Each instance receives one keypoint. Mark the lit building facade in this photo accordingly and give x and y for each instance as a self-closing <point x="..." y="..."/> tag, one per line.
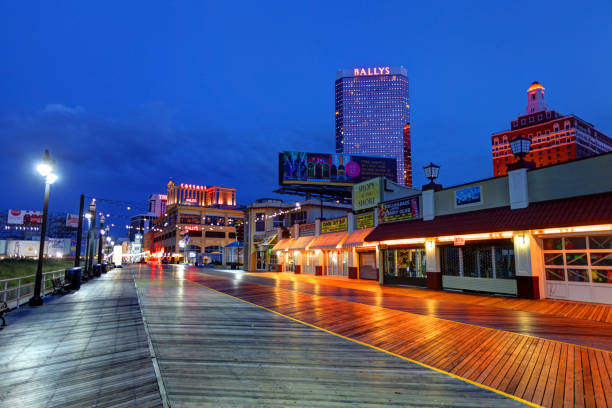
<point x="555" y="138"/>
<point x="157" y="204"/>
<point x="203" y="218"/>
<point x="373" y="115"/>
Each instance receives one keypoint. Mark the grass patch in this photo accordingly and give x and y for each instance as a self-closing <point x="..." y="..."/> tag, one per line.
<point x="15" y="268"/>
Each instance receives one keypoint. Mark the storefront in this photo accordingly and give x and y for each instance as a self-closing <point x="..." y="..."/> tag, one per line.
<point x="326" y="255"/>
<point x="404" y="265"/>
<point x="291" y="254"/>
<point x="578" y="266"/>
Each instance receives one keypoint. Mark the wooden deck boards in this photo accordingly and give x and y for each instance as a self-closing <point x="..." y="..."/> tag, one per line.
<point x="576" y="310"/>
<point x="535" y="369"/>
<point x="585" y="332"/>
<point x="214" y="350"/>
<point x="84" y="349"/>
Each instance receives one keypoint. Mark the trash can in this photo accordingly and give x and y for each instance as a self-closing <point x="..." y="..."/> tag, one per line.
<point x="97" y="270"/>
<point x="104" y="267"/>
<point x="73" y="275"/>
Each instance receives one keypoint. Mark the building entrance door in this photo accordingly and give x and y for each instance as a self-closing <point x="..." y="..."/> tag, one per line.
<point x="367" y="265"/>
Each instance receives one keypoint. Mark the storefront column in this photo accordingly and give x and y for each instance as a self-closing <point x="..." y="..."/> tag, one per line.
<point x="379" y="263"/>
<point x="432" y="265"/>
<point x="527" y="279"/>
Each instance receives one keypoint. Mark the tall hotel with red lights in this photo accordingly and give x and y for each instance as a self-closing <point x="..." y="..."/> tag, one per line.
<point x="555" y="138"/>
<point x="373" y="115"/>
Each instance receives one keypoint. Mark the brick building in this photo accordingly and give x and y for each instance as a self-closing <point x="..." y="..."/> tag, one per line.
<point x="555" y="138"/>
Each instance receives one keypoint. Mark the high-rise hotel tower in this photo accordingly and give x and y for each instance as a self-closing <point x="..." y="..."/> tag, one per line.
<point x="373" y="115"/>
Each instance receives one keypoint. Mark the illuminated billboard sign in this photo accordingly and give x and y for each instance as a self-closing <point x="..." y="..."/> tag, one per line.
<point x="334" y="169"/>
<point x="24" y="217"/>
<point x="372" y="71"/>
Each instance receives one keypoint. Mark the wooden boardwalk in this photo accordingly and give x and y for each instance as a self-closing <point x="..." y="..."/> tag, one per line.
<point x="543" y="371"/>
<point x="575" y="310"/>
<point x="216" y="351"/>
<point x="553" y="327"/>
<point x="87" y="349"/>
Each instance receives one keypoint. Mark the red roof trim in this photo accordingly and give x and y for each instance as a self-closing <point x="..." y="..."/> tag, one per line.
<point x="575" y="211"/>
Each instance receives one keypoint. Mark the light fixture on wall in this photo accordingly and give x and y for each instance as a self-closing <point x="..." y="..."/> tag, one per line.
<point x="520" y="146"/>
<point x="429" y="244"/>
<point x="520" y="239"/>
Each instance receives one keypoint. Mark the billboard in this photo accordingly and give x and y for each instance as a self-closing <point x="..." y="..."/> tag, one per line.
<point x="24" y="217"/>
<point x="468" y="196"/>
<point x="72" y="220"/>
<point x="367" y="194"/>
<point x="399" y="210"/>
<point x="335" y="169"/>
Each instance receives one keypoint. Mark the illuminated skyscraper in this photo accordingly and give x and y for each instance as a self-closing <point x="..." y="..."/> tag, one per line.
<point x="373" y="115"/>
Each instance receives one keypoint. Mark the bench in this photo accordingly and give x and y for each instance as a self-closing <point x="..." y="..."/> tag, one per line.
<point x="60" y="288"/>
<point x="3" y="309"/>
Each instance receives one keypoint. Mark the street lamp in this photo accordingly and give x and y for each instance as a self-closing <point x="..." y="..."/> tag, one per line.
<point x="45" y="168"/>
<point x="520" y="146"/>
<point x="431" y="173"/>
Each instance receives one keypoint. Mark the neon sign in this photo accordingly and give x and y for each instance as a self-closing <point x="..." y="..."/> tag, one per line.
<point x="191" y="228"/>
<point x="372" y="71"/>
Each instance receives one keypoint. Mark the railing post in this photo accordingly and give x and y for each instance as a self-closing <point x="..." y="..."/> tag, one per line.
<point x="5" y="291"/>
<point x="18" y="291"/>
<point x="43" y="286"/>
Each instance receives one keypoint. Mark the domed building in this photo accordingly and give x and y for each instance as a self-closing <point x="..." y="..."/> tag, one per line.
<point x="555" y="138"/>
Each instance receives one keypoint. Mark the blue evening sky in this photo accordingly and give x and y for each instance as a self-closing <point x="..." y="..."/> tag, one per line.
<point x="126" y="94"/>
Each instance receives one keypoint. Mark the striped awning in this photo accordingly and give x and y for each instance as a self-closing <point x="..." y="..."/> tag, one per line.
<point x="300" y="243"/>
<point x="356" y="238"/>
<point x="328" y="241"/>
<point x="283" y="244"/>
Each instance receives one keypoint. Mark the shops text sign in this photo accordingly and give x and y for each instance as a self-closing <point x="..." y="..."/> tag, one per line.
<point x="335" y="225"/>
<point x="367" y="194"/>
<point x="468" y="196"/>
<point x="399" y="210"/>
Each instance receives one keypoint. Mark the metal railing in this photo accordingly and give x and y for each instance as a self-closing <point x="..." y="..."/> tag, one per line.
<point x="17" y="291"/>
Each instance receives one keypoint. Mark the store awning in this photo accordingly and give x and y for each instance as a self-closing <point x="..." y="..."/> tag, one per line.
<point x="266" y="242"/>
<point x="575" y="211"/>
<point x="356" y="238"/>
<point x="283" y="244"/>
<point x="328" y="241"/>
<point x="235" y="244"/>
<point x="299" y="243"/>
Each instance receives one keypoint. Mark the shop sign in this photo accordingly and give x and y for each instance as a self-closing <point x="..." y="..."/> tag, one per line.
<point x="307" y="229"/>
<point x="459" y="241"/>
<point x="191" y="228"/>
<point x="468" y="196"/>
<point x="365" y="220"/>
<point x="399" y="210"/>
<point x="367" y="194"/>
<point x="258" y="237"/>
<point x="335" y="225"/>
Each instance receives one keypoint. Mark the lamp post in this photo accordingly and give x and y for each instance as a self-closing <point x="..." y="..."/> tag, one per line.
<point x="91" y="218"/>
<point x="431" y="173"/>
<point x="520" y="146"/>
<point x="100" y="239"/>
<point x="45" y="169"/>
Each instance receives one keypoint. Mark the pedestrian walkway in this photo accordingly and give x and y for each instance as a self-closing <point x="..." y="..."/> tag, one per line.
<point x="543" y="371"/>
<point x="550" y="326"/>
<point x="577" y="310"/>
<point x="84" y="349"/>
<point x="217" y="351"/>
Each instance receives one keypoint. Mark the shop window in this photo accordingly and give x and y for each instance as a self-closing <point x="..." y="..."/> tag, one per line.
<point x="189" y="219"/>
<point x="504" y="263"/>
<point x="579" y="259"/>
<point x="601" y="259"/>
<point x="572" y="243"/>
<point x="577" y="275"/>
<point x="450" y="263"/>
<point x="600" y="242"/>
<point x="552" y="244"/>
<point x="214" y="220"/>
<point x="573" y="259"/>
<point x="555" y="274"/>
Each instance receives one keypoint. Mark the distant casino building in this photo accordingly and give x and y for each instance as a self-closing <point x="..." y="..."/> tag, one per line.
<point x="198" y="222"/>
<point x="555" y="138"/>
<point x="157" y="204"/>
<point x="373" y="115"/>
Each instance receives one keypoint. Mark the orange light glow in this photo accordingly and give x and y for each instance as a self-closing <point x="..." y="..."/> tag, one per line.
<point x="586" y="228"/>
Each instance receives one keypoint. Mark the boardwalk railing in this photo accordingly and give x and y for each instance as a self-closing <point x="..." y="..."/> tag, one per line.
<point x="17" y="291"/>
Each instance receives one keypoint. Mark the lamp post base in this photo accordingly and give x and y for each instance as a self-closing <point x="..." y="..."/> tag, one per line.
<point x="35" y="301"/>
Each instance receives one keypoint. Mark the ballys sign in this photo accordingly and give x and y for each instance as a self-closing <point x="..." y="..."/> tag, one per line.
<point x="372" y="71"/>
